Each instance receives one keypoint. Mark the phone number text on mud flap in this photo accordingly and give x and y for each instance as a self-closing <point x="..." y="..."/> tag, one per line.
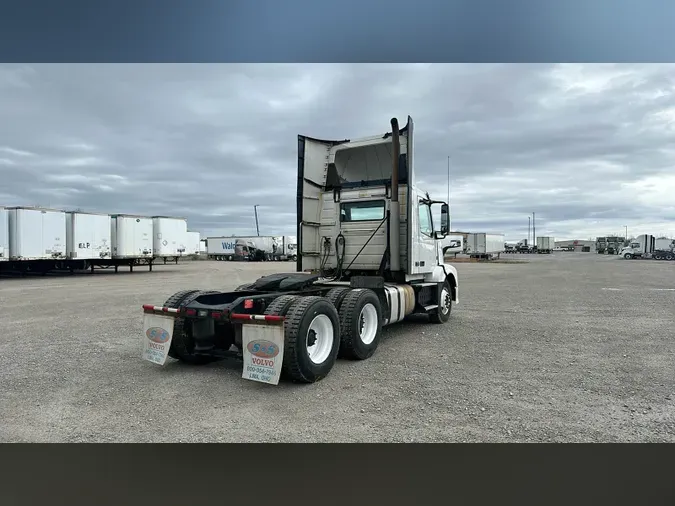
<point x="261" y="370"/>
<point x="154" y="355"/>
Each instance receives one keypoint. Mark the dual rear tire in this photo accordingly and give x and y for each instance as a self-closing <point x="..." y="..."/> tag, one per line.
<point x="345" y="323"/>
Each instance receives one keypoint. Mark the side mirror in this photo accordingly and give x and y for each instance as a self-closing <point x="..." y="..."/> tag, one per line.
<point x="445" y="219"/>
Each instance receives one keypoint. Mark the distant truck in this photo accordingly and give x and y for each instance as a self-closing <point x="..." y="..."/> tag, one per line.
<point x="252" y="248"/>
<point x="647" y="247"/>
<point x="610" y="245"/>
<point x="545" y="245"/>
<point x="484" y="245"/>
<point x="286" y="248"/>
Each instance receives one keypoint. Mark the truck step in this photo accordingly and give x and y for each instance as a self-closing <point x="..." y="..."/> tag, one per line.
<point x="431" y="308"/>
<point x="424" y="284"/>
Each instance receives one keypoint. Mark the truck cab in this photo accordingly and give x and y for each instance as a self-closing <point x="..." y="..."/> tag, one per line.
<point x="360" y="212"/>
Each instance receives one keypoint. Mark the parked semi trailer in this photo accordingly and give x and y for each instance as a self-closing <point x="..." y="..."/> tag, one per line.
<point x="169" y="237"/>
<point x="4" y="235"/>
<point x="647" y="247"/>
<point x="193" y="243"/>
<point x="88" y="236"/>
<point x="484" y="245"/>
<point x="368" y="255"/>
<point x="132" y="240"/>
<point x="545" y="245"/>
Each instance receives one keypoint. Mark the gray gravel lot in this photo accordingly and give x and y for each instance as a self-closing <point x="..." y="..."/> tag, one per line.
<point x="567" y="347"/>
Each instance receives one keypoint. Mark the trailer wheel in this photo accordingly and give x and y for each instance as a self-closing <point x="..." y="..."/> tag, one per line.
<point x="669" y="256"/>
<point x="627" y="256"/>
<point x="312" y="342"/>
<point x="182" y="344"/>
<point x="442" y="313"/>
<point x="337" y="295"/>
<point x="360" y="323"/>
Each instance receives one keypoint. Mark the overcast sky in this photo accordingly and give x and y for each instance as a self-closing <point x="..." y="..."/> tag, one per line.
<point x="589" y="148"/>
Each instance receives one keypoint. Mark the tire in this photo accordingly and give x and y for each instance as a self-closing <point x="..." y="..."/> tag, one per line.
<point x="669" y="256"/>
<point x="182" y="344"/>
<point x="658" y="257"/>
<point x="281" y="305"/>
<point x="305" y="314"/>
<point x="337" y="295"/>
<point x="360" y="324"/>
<point x="627" y="256"/>
<point x="294" y="258"/>
<point x="442" y="313"/>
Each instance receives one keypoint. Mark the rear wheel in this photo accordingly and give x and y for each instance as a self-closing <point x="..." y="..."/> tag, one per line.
<point x="442" y="313"/>
<point x="360" y="324"/>
<point x="670" y="256"/>
<point x="281" y="305"/>
<point x="182" y="343"/>
<point x="337" y="295"/>
<point x="312" y="330"/>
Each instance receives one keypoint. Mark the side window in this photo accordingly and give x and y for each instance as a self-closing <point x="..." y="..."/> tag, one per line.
<point x="426" y="226"/>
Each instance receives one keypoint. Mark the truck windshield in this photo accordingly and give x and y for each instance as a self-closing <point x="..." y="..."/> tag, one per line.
<point x="371" y="210"/>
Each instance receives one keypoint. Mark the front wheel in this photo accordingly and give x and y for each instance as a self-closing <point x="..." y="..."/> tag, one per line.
<point x="627" y="256"/>
<point x="442" y="313"/>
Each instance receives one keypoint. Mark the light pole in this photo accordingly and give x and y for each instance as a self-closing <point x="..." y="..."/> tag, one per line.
<point x="529" y="224"/>
<point x="534" y="233"/>
<point x="626" y="235"/>
<point x="257" y="228"/>
<point x="449" y="214"/>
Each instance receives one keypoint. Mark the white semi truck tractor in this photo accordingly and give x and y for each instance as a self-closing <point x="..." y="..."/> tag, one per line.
<point x="369" y="255"/>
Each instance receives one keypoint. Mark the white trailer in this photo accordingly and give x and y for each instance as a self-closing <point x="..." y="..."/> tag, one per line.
<point x="170" y="237"/>
<point x="36" y="233"/>
<point x="484" y="245"/>
<point x="192" y="243"/>
<point x="545" y="245"/>
<point x="221" y="248"/>
<point x="131" y="236"/>
<point x="4" y="235"/>
<point x="88" y="236"/>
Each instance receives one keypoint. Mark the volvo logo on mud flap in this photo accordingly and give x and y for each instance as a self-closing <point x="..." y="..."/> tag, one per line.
<point x="263" y="349"/>
<point x="157" y="335"/>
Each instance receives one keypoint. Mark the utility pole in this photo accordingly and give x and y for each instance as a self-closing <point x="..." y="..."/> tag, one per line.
<point x="529" y="222"/>
<point x="257" y="228"/>
<point x="450" y="214"/>
<point x="534" y="233"/>
<point x="626" y="235"/>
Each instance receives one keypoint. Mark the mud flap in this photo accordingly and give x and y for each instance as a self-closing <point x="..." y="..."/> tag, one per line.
<point x="157" y="335"/>
<point x="263" y="351"/>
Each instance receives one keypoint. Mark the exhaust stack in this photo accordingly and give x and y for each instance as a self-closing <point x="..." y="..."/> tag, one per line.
<point x="394" y="209"/>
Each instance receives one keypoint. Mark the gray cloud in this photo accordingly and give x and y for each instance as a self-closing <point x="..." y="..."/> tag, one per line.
<point x="589" y="148"/>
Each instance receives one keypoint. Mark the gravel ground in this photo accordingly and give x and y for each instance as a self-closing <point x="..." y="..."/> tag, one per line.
<point x="567" y="347"/>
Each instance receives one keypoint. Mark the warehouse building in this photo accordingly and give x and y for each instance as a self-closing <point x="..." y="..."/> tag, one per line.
<point x="578" y="245"/>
